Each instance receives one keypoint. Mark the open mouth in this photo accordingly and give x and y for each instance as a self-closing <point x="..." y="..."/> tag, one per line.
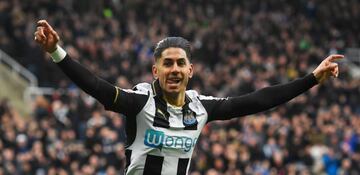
<point x="173" y="81"/>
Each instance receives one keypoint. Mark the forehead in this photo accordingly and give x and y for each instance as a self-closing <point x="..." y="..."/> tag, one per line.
<point x="173" y="53"/>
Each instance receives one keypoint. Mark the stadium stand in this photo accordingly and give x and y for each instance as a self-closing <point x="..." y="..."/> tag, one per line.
<point x="249" y="44"/>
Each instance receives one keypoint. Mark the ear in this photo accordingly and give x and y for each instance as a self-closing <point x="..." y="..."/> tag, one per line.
<point x="191" y="69"/>
<point x="155" y="71"/>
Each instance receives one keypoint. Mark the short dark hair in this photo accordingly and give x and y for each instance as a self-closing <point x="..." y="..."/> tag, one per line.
<point x="178" y="42"/>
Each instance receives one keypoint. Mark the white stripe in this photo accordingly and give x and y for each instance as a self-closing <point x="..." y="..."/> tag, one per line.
<point x="203" y="97"/>
<point x="137" y="164"/>
<point x="170" y="165"/>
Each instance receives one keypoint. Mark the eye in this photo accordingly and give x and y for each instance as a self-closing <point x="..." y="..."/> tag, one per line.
<point x="167" y="63"/>
<point x="181" y="63"/>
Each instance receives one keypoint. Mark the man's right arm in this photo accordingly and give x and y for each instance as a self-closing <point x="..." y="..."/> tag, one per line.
<point x="112" y="97"/>
<point x="84" y="79"/>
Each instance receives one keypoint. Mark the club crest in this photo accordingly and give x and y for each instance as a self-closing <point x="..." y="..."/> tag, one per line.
<point x="189" y="118"/>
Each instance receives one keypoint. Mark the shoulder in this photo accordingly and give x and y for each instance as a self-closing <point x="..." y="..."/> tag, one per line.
<point x="195" y="104"/>
<point x="211" y="98"/>
<point x="195" y="95"/>
<point x="141" y="89"/>
<point x="192" y="94"/>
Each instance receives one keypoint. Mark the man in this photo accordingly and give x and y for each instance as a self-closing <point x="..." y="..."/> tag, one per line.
<point x="164" y="119"/>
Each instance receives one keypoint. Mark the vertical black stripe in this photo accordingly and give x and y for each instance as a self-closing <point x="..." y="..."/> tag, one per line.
<point x="128" y="159"/>
<point x="182" y="166"/>
<point x="191" y="127"/>
<point x="161" y="122"/>
<point x="153" y="165"/>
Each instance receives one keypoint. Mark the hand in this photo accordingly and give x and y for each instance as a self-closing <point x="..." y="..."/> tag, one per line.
<point x="327" y="68"/>
<point x="46" y="36"/>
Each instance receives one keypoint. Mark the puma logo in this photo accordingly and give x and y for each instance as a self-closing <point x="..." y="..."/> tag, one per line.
<point x="161" y="113"/>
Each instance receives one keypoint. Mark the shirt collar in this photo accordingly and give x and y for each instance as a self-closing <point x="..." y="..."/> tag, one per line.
<point x="157" y="91"/>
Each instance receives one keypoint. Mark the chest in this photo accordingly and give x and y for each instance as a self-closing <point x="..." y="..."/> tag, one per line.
<point x="170" y="131"/>
<point x="175" y="118"/>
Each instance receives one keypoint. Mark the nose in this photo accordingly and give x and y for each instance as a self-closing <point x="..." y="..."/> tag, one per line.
<point x="175" y="68"/>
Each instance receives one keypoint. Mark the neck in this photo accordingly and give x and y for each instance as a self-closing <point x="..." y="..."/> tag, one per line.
<point x="175" y="99"/>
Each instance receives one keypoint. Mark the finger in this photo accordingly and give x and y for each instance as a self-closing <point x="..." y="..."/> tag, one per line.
<point x="334" y="69"/>
<point x="332" y="66"/>
<point x="337" y="71"/>
<point x="333" y="73"/>
<point x="40" y="30"/>
<point x="55" y="35"/>
<point x="49" y="29"/>
<point x="334" y="57"/>
<point x="36" y="37"/>
<point x="45" y="24"/>
<point x="39" y="39"/>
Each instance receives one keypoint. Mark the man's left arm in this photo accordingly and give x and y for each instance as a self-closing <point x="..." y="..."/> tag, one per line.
<point x="267" y="98"/>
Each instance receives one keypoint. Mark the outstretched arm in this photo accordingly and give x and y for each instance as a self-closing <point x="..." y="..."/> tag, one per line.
<point x="264" y="99"/>
<point x="113" y="98"/>
<point x="47" y="38"/>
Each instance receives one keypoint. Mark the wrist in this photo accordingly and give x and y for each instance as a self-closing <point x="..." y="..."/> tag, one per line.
<point x="52" y="49"/>
<point x="316" y="78"/>
<point x="58" y="55"/>
<point x="317" y="75"/>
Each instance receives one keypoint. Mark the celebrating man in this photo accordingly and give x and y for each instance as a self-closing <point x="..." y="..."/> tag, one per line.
<point x="163" y="119"/>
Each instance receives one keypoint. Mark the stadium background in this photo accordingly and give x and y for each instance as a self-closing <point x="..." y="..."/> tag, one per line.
<point x="238" y="47"/>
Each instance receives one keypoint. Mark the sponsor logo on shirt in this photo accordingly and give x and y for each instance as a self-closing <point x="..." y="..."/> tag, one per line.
<point x="158" y="139"/>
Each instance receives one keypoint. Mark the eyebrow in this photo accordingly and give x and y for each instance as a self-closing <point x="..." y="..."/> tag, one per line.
<point x="170" y="59"/>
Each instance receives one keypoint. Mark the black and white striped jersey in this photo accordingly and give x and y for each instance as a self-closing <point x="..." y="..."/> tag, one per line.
<point x="164" y="136"/>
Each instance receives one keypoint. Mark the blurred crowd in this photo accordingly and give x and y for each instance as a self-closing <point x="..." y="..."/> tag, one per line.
<point x="238" y="47"/>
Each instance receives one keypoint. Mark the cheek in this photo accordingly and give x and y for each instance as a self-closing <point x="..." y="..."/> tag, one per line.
<point x="161" y="72"/>
<point x="188" y="73"/>
<point x="162" y="76"/>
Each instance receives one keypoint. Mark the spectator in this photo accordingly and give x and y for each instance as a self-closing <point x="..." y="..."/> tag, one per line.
<point x="258" y="46"/>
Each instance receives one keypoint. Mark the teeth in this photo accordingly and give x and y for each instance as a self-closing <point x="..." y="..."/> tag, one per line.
<point x="174" y="81"/>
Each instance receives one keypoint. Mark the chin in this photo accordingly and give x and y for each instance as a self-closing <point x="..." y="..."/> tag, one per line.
<point x="172" y="91"/>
